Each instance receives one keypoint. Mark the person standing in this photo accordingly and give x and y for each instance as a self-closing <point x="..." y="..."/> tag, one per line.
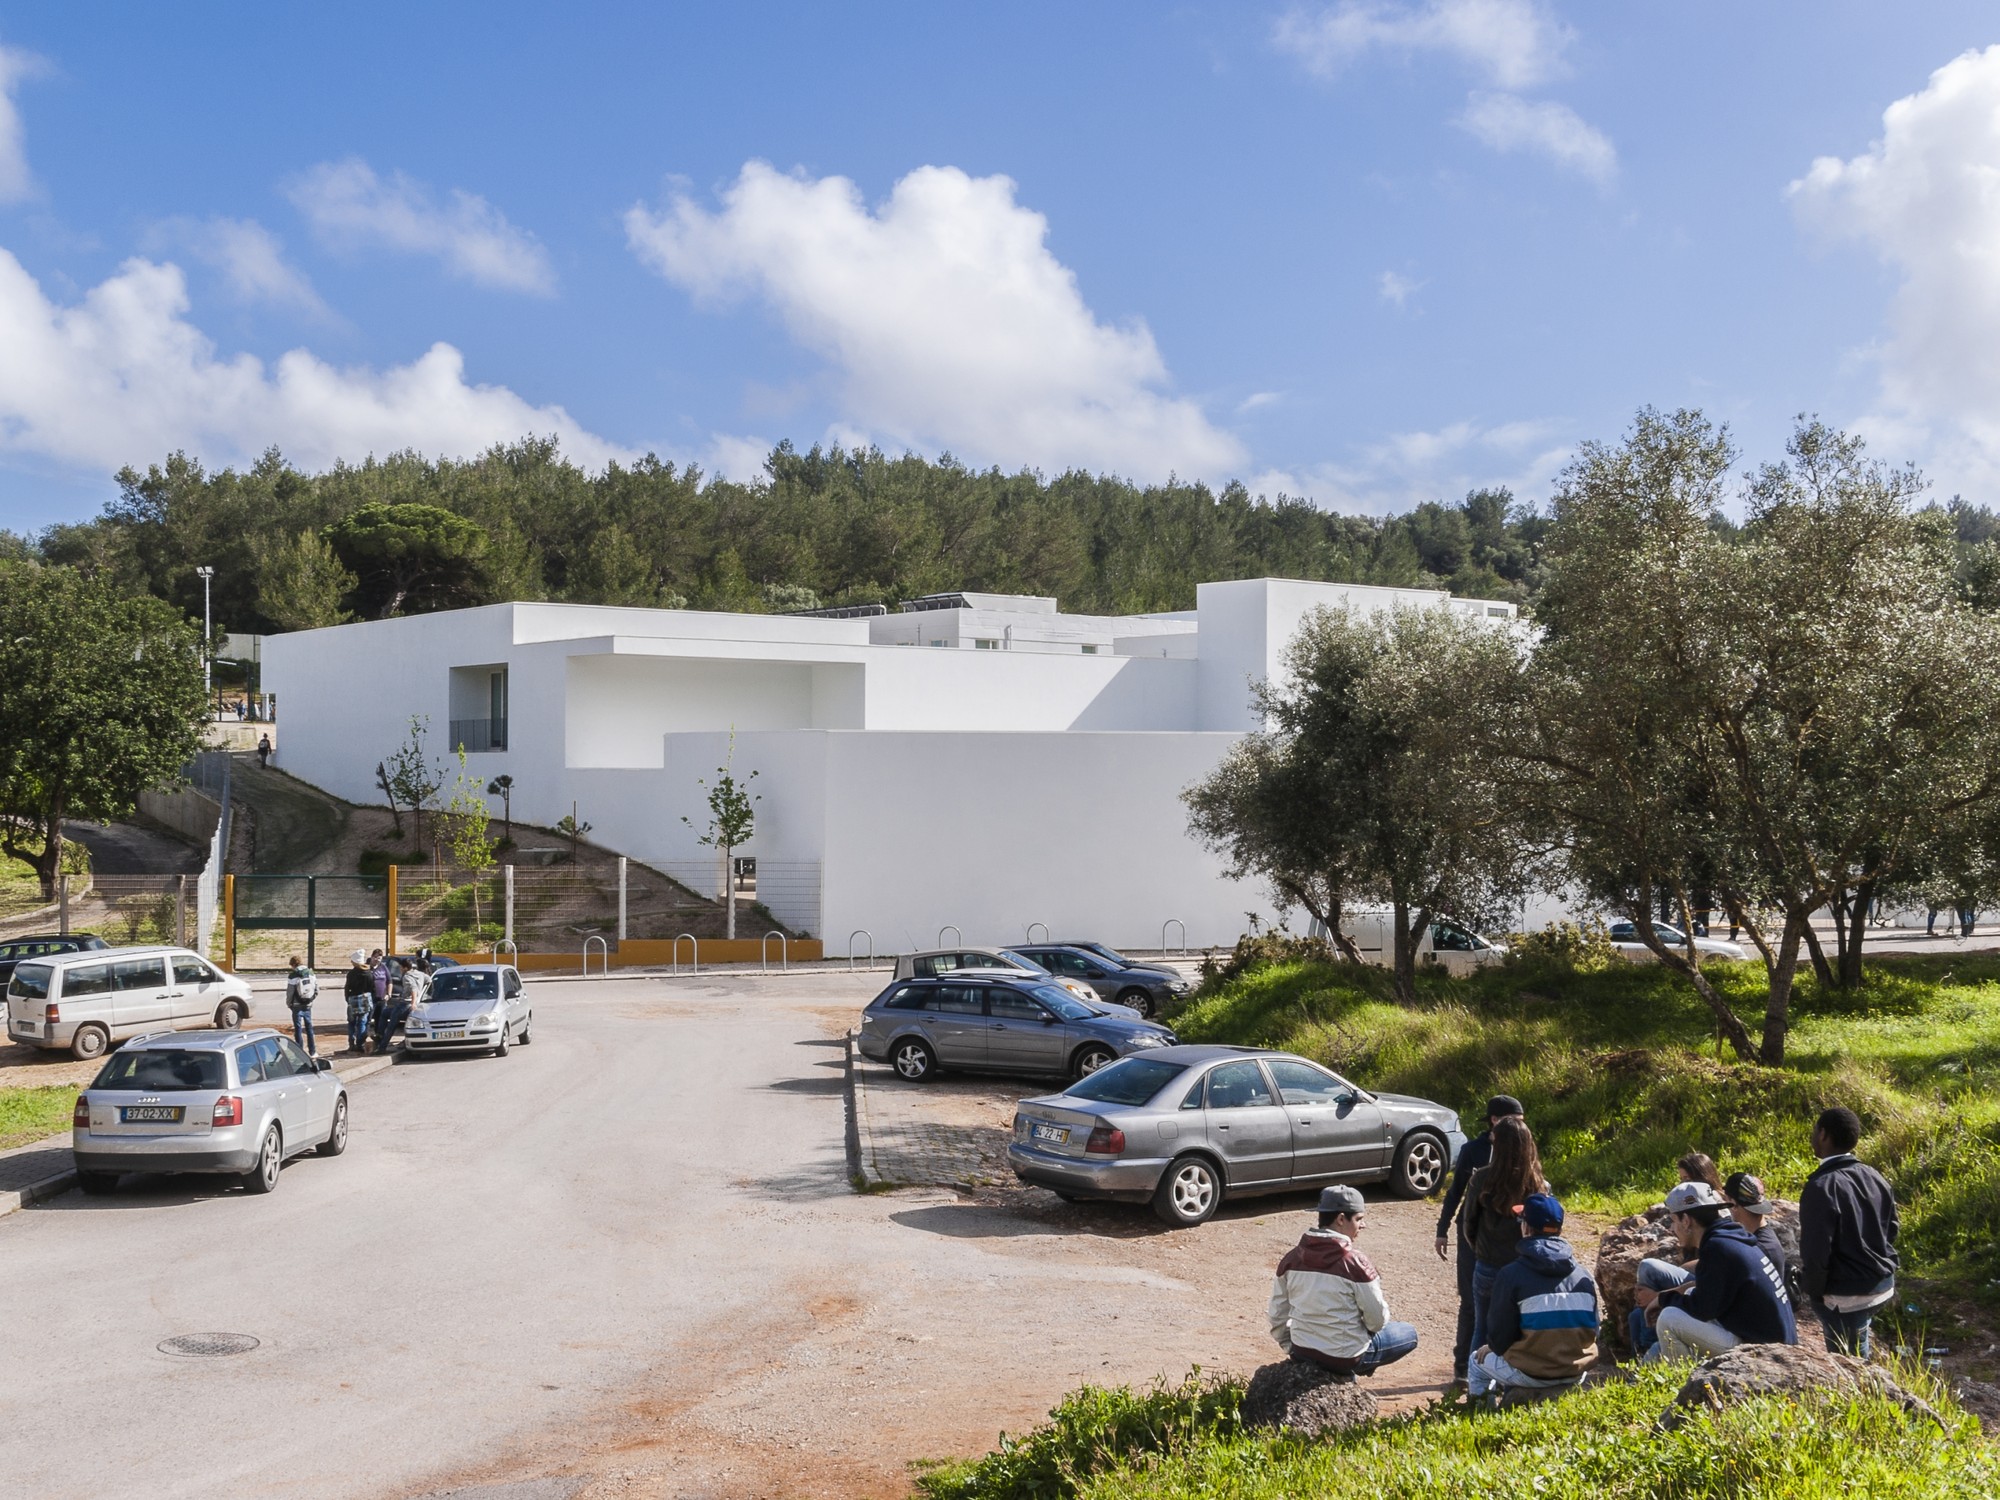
<point x="1541" y="1323"/>
<point x="360" y="991"/>
<point x="1486" y="1219"/>
<point x="1847" y="1236"/>
<point x="1736" y="1295"/>
<point x="1327" y="1306"/>
<point x="264" y="751"/>
<point x="1473" y="1155"/>
<point x="301" y="989"/>
<point x="381" y="978"/>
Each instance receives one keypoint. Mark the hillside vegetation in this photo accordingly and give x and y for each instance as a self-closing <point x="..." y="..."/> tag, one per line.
<point x="1620" y="1074"/>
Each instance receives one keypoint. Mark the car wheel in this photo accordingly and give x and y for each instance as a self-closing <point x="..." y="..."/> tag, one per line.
<point x="1189" y="1193"/>
<point x="1091" y="1058"/>
<point x="506" y="1037"/>
<point x="89" y="1042"/>
<point x="270" y="1161"/>
<point x="527" y="1030"/>
<point x="97" y="1182"/>
<point x="913" y="1060"/>
<point x="1420" y="1166"/>
<point x="336" y="1138"/>
<point x="229" y="1015"/>
<point x="1140" y="1000"/>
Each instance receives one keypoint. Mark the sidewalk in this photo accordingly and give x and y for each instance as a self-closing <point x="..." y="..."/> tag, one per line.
<point x="31" y="1173"/>
<point x="951" y="1132"/>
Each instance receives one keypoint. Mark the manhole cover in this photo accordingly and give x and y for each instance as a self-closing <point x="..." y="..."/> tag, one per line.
<point x="208" y="1345"/>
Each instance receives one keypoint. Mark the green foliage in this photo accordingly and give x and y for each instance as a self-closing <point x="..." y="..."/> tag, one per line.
<point x="1621" y="1074"/>
<point x="1599" y="1443"/>
<point x="478" y="937"/>
<point x="1579" y="947"/>
<point x="1092" y="1432"/>
<point x="410" y="558"/>
<point x="29" y="1114"/>
<point x="301" y="583"/>
<point x="105" y="701"/>
<point x="409" y="778"/>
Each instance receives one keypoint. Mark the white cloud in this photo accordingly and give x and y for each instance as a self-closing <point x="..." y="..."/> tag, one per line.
<point x="1926" y="199"/>
<point x="738" y="458"/>
<point x="1507" y="122"/>
<point x="1515" y="44"/>
<point x="947" y="322"/>
<point x="1408" y="468"/>
<point x="123" y="377"/>
<point x="1395" y="287"/>
<point x="250" y="259"/>
<point x="1256" y="399"/>
<point x="16" y="181"/>
<point x="350" y="207"/>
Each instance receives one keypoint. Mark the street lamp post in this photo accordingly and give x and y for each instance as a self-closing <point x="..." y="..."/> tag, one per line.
<point x="207" y="640"/>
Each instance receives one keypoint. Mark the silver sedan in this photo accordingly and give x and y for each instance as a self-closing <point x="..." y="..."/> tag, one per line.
<point x="1185" y="1127"/>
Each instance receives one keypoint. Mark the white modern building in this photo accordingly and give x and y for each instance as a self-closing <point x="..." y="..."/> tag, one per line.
<point x="976" y="761"/>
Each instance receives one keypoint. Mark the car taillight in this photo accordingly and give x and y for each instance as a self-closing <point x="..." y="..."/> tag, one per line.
<point x="52" y="1014"/>
<point x="228" y="1111"/>
<point x="80" y="1116"/>
<point x="1106" y="1140"/>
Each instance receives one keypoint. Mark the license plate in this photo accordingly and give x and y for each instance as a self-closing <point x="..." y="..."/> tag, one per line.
<point x="1056" y="1133"/>
<point x="150" y="1114"/>
<point x="449" y="1036"/>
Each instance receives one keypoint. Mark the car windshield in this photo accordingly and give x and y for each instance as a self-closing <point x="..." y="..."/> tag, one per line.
<point x="464" y="984"/>
<point x="1628" y="932"/>
<point x="161" y="1070"/>
<point x="1066" y="1006"/>
<point x="1130" y="1080"/>
<point x="30" y="981"/>
<point x="1110" y="955"/>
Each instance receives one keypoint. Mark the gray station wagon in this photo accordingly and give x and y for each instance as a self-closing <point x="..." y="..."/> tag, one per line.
<point x="985" y="1022"/>
<point x="1185" y="1127"/>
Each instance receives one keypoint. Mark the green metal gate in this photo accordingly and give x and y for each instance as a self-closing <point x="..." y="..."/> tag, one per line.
<point x="309" y="903"/>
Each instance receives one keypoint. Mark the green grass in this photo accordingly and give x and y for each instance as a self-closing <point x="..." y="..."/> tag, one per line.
<point x="1621" y="1074"/>
<point x="1177" y="1443"/>
<point x="26" y="1115"/>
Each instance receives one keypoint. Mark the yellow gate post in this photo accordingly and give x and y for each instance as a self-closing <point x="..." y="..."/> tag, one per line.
<point x="229" y="923"/>
<point x="392" y="908"/>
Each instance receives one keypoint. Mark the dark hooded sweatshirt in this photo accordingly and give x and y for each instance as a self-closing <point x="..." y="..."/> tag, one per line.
<point x="1736" y="1287"/>
<point x="1542" y="1318"/>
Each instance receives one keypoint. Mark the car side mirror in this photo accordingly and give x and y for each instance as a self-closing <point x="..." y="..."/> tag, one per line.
<point x="322" y="1065"/>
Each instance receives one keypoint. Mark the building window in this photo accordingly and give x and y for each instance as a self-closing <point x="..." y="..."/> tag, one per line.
<point x="940" y="643"/>
<point x="1090" y="650"/>
<point x="478" y="720"/>
<point x="986" y="645"/>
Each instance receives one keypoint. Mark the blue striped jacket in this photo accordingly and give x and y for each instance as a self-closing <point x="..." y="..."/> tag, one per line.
<point x="1542" y="1315"/>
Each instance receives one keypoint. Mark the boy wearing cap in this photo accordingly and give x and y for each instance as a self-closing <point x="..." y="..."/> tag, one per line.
<point x="1736" y="1297"/>
<point x="1750" y="1207"/>
<point x="1473" y="1155"/>
<point x="1327" y="1306"/>
<point x="1541" y="1317"/>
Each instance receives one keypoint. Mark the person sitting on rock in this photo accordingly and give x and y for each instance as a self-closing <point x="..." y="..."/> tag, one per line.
<point x="1657" y="1273"/>
<point x="1541" y="1317"/>
<point x="1751" y="1207"/>
<point x="1327" y="1306"/>
<point x="1736" y="1295"/>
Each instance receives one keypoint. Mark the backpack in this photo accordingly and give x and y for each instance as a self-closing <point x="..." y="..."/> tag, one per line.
<point x="304" y="990"/>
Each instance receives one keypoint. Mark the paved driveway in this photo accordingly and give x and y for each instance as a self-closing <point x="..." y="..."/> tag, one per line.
<point x="623" y="1260"/>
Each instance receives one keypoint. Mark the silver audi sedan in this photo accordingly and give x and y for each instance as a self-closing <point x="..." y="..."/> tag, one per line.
<point x="1185" y="1127"/>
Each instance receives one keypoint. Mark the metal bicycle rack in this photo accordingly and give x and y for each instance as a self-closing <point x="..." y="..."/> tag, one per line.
<point x="513" y="951"/>
<point x="764" y="951"/>
<point x="604" y="973"/>
<point x="1031" y="931"/>
<point x="952" y="928"/>
<point x="1173" y="922"/>
<point x="860" y="932"/>
<point x="694" y="957"/>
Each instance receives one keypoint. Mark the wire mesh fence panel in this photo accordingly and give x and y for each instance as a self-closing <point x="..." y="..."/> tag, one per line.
<point x="127" y="910"/>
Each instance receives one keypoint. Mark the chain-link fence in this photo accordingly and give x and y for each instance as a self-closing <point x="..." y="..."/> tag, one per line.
<point x="121" y="909"/>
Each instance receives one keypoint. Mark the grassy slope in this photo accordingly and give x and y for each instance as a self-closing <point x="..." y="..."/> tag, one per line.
<point x="1620" y="1074"/>
<point x="1597" y="1444"/>
<point x="29" y="1114"/>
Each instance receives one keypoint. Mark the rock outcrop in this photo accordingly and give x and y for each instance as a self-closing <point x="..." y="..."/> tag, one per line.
<point x="1782" y="1369"/>
<point x="1304" y="1399"/>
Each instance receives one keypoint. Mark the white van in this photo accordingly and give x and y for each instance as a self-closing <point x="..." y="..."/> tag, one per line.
<point x="87" y="1001"/>
<point x="1451" y="947"/>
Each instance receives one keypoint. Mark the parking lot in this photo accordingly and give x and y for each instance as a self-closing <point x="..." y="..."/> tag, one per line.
<point x="625" y="1261"/>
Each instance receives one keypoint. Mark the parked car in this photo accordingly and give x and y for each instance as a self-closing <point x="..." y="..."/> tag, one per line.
<point x="1186" y="1127"/>
<point x="87" y="1001"/>
<point x="1625" y="938"/>
<point x="1143" y="987"/>
<point x="1452" y="947"/>
<point x="233" y="1102"/>
<point x="472" y="1008"/>
<point x="986" y="1022"/>
<point x="15" y="949"/>
<point x="952" y="960"/>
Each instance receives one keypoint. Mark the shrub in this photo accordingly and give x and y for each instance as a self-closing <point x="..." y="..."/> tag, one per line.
<point x="468" y="939"/>
<point x="1578" y="948"/>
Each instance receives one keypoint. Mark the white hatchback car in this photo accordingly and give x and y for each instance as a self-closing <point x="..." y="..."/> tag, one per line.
<point x="471" y="1008"/>
<point x="87" y="1001"/>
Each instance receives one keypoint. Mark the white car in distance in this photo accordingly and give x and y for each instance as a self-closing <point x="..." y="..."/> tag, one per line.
<point x="471" y="1008"/>
<point x="1625" y="938"/>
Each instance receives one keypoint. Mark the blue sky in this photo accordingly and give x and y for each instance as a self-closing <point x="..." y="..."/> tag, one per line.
<point x="1368" y="252"/>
